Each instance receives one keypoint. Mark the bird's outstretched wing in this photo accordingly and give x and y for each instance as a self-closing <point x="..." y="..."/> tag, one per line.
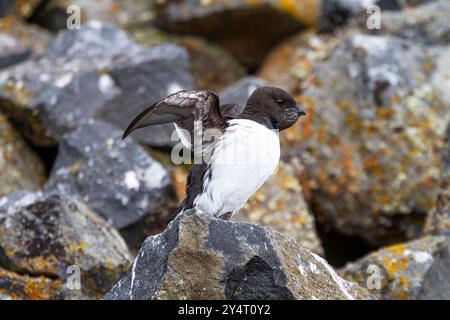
<point x="192" y="111"/>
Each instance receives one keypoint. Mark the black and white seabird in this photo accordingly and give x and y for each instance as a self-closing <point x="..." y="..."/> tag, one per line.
<point x="243" y="154"/>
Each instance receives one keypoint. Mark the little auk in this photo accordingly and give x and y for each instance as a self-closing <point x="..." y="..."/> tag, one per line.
<point x="244" y="149"/>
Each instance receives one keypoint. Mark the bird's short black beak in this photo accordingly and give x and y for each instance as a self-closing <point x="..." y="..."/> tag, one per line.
<point x="300" y="111"/>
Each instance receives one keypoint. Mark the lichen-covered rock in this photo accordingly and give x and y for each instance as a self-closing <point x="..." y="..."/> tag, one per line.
<point x="92" y="72"/>
<point x="246" y="28"/>
<point x="15" y="286"/>
<point x="116" y="178"/>
<point x="427" y="23"/>
<point x="20" y="168"/>
<point x="371" y="143"/>
<point x="201" y="257"/>
<point x="414" y="270"/>
<point x="281" y="194"/>
<point x="50" y="234"/>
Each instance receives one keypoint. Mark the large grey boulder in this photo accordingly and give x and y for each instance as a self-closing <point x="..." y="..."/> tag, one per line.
<point x="95" y="72"/>
<point x="52" y="235"/>
<point x="201" y="257"/>
<point x="377" y="113"/>
<point x="116" y="178"/>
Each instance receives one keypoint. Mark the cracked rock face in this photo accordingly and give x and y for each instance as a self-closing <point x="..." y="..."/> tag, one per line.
<point x="116" y="178"/>
<point x="20" y="167"/>
<point x="377" y="113"/>
<point x="92" y="73"/>
<point x="414" y="270"/>
<point x="45" y="235"/>
<point x="200" y="257"/>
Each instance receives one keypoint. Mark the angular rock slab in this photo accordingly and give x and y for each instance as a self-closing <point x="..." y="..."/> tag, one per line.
<point x="414" y="270"/>
<point x="94" y="72"/>
<point x="200" y="257"/>
<point x="20" y="167"/>
<point x="116" y="178"/>
<point x="50" y="235"/>
<point x="377" y="113"/>
<point x="245" y="28"/>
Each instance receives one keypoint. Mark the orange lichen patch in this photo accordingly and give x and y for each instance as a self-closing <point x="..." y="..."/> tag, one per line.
<point x="77" y="247"/>
<point x="24" y="287"/>
<point x="347" y="161"/>
<point x="306" y="11"/>
<point x="6" y="23"/>
<point x="40" y="265"/>
<point x="398" y="250"/>
<point x="391" y="266"/>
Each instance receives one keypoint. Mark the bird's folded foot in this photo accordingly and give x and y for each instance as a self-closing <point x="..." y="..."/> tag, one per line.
<point x="226" y="216"/>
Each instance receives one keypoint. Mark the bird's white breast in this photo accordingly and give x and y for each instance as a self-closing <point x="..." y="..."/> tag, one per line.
<point x="244" y="157"/>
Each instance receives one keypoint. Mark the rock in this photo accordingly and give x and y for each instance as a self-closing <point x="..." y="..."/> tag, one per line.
<point x="120" y="12"/>
<point x="117" y="179"/>
<point x="427" y="23"/>
<point x="377" y="112"/>
<point x="200" y="257"/>
<point x="20" y="167"/>
<point x="414" y="270"/>
<point x="212" y="66"/>
<point x="43" y="96"/>
<point x="15" y="286"/>
<point x="19" y="41"/>
<point x="12" y="51"/>
<point x="238" y="25"/>
<point x="53" y="235"/>
<point x="281" y="193"/>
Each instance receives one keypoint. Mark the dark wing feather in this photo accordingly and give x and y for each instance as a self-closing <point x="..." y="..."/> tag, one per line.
<point x="183" y="108"/>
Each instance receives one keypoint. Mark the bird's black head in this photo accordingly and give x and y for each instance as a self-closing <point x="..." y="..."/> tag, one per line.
<point x="279" y="106"/>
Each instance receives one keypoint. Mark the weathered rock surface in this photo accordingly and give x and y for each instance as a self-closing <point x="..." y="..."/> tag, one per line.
<point x="47" y="234"/>
<point x="200" y="257"/>
<point x="117" y="179"/>
<point x="377" y="113"/>
<point x="427" y="23"/>
<point x="281" y="194"/>
<point x="20" y="168"/>
<point x="92" y="72"/>
<point x="238" y="25"/>
<point x="414" y="270"/>
<point x="19" y="41"/>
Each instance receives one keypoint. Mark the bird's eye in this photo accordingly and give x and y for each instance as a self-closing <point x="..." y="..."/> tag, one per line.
<point x="279" y="101"/>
